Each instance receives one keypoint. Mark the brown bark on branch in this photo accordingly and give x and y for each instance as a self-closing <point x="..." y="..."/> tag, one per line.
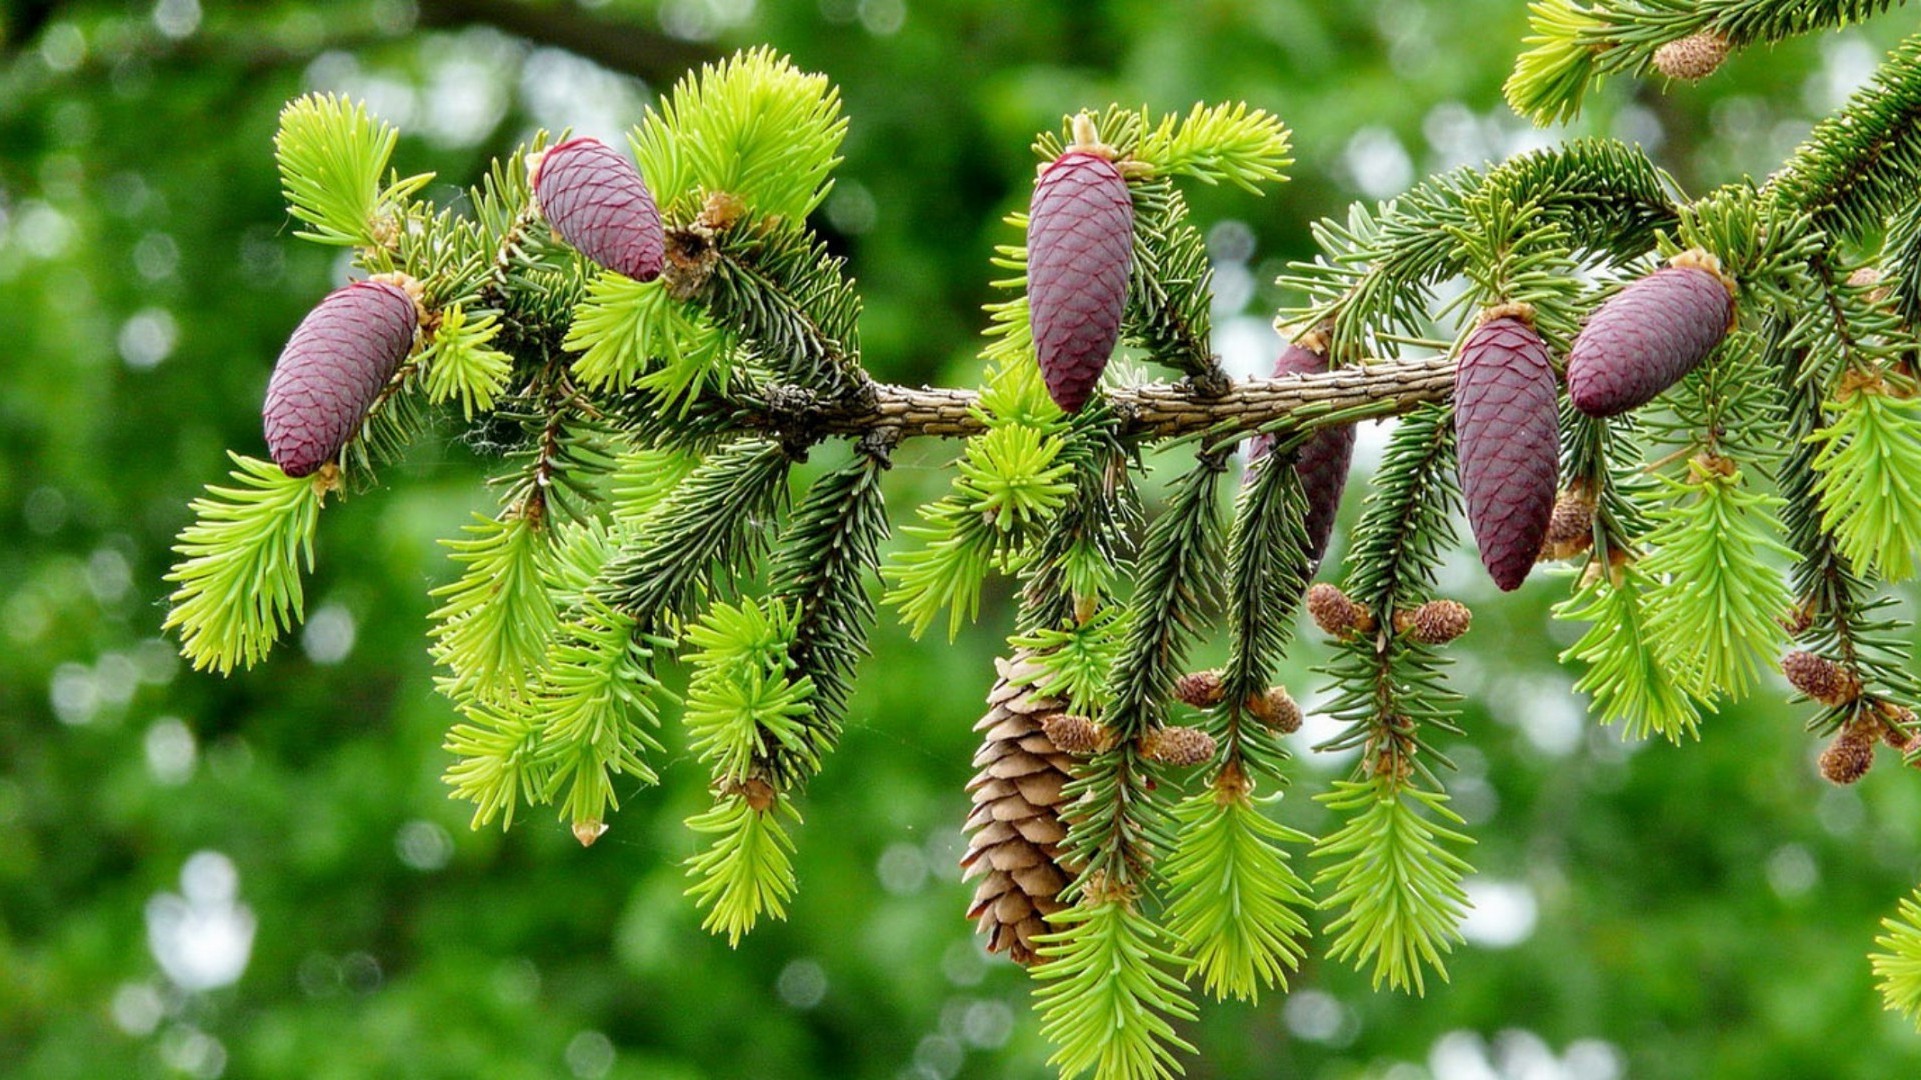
<point x="1161" y="410"/>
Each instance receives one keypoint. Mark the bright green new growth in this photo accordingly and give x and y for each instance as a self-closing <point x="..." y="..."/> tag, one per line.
<point x="332" y="156"/>
<point x="1246" y="147"/>
<point x="1718" y="595"/>
<point x="742" y="701"/>
<point x="240" y="565"/>
<point x="633" y="334"/>
<point x="1645" y="690"/>
<point x="1898" y="965"/>
<point x="1870" y="468"/>
<point x="462" y="363"/>
<point x="1399" y="884"/>
<point x="1237" y="900"/>
<point x="753" y="126"/>
<point x="1108" y="994"/>
<point x="492" y="626"/>
<point x="747" y="872"/>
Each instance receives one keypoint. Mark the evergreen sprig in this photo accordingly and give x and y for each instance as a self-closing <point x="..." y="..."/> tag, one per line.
<point x="461" y="362"/>
<point x="1870" y="476"/>
<point x="1109" y="994"/>
<point x="716" y="520"/>
<point x="240" y="565"/>
<point x="1898" y="965"/>
<point x="1268" y="563"/>
<point x="492" y="627"/>
<point x="830" y="547"/>
<point x="634" y="334"/>
<point x="1237" y="900"/>
<point x="1394" y="878"/>
<point x="1649" y="692"/>
<point x="748" y="870"/>
<point x="1245" y="147"/>
<point x="745" y="701"/>
<point x="1718" y="595"/>
<point x="597" y="708"/>
<point x="332" y="156"/>
<point x="753" y="126"/>
<point x="1176" y="584"/>
<point x="1577" y="43"/>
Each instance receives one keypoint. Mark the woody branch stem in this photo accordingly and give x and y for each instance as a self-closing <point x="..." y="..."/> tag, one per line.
<point x="1159" y="410"/>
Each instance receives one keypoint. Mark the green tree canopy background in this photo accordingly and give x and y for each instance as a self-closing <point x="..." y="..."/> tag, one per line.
<point x="262" y="875"/>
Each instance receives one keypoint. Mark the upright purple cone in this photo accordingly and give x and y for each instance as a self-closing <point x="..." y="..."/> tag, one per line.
<point x="332" y="371"/>
<point x="595" y="199"/>
<point x="1080" y="240"/>
<point x="1507" y="429"/>
<point x="1321" y="462"/>
<point x="1647" y="338"/>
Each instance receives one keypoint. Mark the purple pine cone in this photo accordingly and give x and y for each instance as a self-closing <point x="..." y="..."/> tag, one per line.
<point x="1507" y="427"/>
<point x="1647" y="338"/>
<point x="1080" y="240"/>
<point x="595" y="200"/>
<point x="1322" y="460"/>
<point x="333" y="369"/>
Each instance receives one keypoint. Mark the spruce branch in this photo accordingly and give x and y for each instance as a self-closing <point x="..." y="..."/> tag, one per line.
<point x="747" y="871"/>
<point x="332" y="156"/>
<point x="716" y="520"/>
<point x="1108" y="993"/>
<point x="1394" y="879"/>
<point x="830" y="547"/>
<point x="1236" y="900"/>
<point x="240" y="564"/>
<point x="1577" y="43"/>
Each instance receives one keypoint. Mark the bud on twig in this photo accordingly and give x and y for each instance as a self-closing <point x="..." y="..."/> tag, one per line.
<point x="1201" y="689"/>
<point x="1076" y="735"/>
<point x="1820" y="678"/>
<point x="1178" y="746"/>
<point x="1848" y="757"/>
<point x="1335" y="614"/>
<point x="1436" y="622"/>
<point x="1570" y="528"/>
<point x="1276" y="709"/>
<point x="1693" y="57"/>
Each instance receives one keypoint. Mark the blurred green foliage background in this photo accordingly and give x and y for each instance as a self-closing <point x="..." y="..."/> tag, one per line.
<point x="262" y="876"/>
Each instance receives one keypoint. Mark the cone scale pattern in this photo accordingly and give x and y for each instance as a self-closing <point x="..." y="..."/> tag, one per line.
<point x="1080" y="241"/>
<point x="1647" y="338"/>
<point x="332" y="371"/>
<point x="1507" y="426"/>
<point x="595" y="199"/>
<point x="1693" y="57"/>
<point x="1015" y="832"/>
<point x="1322" y="461"/>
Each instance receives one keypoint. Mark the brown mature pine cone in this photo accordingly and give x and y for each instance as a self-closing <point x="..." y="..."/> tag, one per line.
<point x="1015" y="831"/>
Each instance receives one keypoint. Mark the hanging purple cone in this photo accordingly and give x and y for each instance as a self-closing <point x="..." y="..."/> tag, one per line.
<point x="333" y="369"/>
<point x="1648" y="337"/>
<point x="1322" y="460"/>
<point x="1507" y="428"/>
<point x="595" y="199"/>
<point x="1080" y="240"/>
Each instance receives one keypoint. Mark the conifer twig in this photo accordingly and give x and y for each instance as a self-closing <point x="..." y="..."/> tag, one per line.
<point x="1159" y="410"/>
